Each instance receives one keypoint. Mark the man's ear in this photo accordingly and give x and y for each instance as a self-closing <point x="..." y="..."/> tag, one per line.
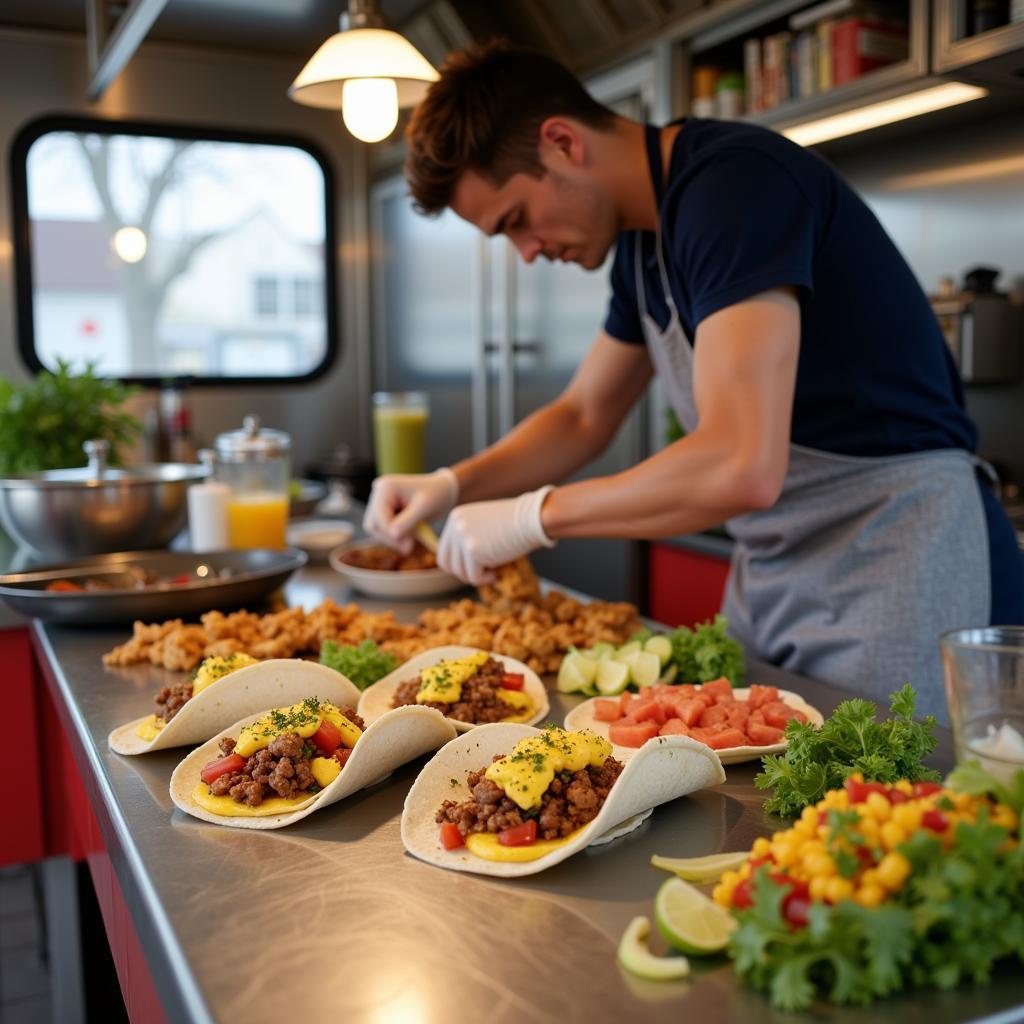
<point x="561" y="140"/>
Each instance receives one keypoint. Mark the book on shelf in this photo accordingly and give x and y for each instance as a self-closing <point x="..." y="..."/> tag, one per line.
<point x="860" y="45"/>
<point x="752" y="74"/>
<point x="824" y="33"/>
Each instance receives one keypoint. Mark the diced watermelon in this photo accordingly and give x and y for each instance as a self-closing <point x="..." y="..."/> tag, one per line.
<point x="689" y="710"/>
<point x="726" y="738"/>
<point x="607" y="710"/>
<point x="714" y="715"/>
<point x="778" y="714"/>
<point x="761" y="695"/>
<point x="651" y="711"/>
<point x="762" y="735"/>
<point x="673" y="727"/>
<point x="632" y="735"/>
<point x="646" y="693"/>
<point x="625" y="701"/>
<point x="738" y="712"/>
<point x="686" y="689"/>
<point x="719" y="689"/>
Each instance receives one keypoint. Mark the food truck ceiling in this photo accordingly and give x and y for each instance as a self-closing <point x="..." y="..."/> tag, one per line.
<point x="583" y="33"/>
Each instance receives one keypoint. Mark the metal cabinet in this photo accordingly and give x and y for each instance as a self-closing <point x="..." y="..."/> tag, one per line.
<point x="492" y="339"/>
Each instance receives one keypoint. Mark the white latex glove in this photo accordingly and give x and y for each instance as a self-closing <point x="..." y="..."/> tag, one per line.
<point x="485" y="534"/>
<point x="400" y="501"/>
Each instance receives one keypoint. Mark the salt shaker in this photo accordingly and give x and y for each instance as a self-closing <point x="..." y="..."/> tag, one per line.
<point x="208" y="510"/>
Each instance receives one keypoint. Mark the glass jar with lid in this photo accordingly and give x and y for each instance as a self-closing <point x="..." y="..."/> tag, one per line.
<point x="255" y="463"/>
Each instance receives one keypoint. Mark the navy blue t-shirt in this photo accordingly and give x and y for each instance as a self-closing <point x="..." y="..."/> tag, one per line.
<point x="746" y="210"/>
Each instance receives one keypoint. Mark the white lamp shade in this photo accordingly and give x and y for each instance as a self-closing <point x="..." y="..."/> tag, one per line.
<point x="363" y="53"/>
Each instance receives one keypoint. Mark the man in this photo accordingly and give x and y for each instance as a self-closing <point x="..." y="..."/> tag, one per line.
<point x="825" y="419"/>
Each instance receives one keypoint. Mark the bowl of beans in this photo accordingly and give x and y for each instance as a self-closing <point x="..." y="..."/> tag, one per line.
<point x="381" y="571"/>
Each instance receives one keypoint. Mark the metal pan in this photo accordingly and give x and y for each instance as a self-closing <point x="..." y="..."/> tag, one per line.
<point x="219" y="580"/>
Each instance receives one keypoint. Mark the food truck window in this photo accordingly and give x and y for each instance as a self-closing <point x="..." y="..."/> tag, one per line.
<point x="153" y="252"/>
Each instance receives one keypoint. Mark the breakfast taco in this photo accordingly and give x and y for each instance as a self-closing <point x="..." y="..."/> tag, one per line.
<point x="273" y="769"/>
<point x="509" y="800"/>
<point x="222" y="690"/>
<point x="468" y="686"/>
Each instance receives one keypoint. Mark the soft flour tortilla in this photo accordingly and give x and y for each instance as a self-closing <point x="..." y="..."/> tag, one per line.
<point x="277" y="683"/>
<point x="663" y="769"/>
<point x="376" y="699"/>
<point x="400" y="736"/>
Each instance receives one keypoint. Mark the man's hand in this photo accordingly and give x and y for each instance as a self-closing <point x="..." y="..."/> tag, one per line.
<point x="400" y="501"/>
<point x="485" y="534"/>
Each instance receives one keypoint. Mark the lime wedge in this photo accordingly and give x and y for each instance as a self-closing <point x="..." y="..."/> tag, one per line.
<point x="661" y="646"/>
<point x="645" y="668"/>
<point x="600" y="649"/>
<point x="622" y="653"/>
<point x="690" y="921"/>
<point x="576" y="672"/>
<point x="702" y="870"/>
<point x="612" y="677"/>
<point x="638" y="959"/>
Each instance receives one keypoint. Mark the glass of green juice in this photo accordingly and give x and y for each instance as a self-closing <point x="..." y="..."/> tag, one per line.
<point x="400" y="431"/>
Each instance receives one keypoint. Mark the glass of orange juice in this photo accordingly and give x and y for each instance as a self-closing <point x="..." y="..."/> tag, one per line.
<point x="254" y="462"/>
<point x="400" y="431"/>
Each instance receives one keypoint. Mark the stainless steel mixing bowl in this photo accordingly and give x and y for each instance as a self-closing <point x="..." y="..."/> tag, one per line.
<point x="71" y="513"/>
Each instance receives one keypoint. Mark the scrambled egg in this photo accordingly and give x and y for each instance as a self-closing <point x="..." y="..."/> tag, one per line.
<point x="149" y="728"/>
<point x="486" y="845"/>
<point x="525" y="774"/>
<point x="229" y="808"/>
<point x="442" y="683"/>
<point x="213" y="669"/>
<point x="304" y="719"/>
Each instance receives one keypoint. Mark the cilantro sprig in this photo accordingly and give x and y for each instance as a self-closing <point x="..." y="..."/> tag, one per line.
<point x="851" y="740"/>
<point x="364" y="664"/>
<point x="707" y="652"/>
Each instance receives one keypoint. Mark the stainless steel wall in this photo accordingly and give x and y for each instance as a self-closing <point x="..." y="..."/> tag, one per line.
<point x="47" y="73"/>
<point x="951" y="200"/>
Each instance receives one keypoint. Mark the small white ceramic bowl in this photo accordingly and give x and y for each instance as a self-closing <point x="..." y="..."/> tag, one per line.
<point x="319" y="537"/>
<point x="393" y="583"/>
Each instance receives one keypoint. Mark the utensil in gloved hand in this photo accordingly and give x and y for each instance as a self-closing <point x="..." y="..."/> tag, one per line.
<point x="427" y="537"/>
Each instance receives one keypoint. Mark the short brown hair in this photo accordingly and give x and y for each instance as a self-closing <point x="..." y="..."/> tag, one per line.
<point x="484" y="113"/>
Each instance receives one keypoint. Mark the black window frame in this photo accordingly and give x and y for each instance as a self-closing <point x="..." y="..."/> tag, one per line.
<point x="21" y="232"/>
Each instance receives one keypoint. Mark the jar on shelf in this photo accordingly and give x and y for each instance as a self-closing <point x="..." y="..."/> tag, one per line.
<point x="255" y="463"/>
<point x="730" y="92"/>
<point x="703" y="100"/>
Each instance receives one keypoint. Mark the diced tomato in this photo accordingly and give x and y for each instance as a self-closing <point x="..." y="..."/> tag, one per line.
<point x="327" y="738"/>
<point x="738" y="713"/>
<point x="451" y="837"/>
<point x="742" y="895"/>
<point x="797" y="886"/>
<point x="632" y="734"/>
<point x="858" y="791"/>
<point x="757" y="716"/>
<point x="926" y="788"/>
<point x="935" y="820"/>
<point x="625" y="702"/>
<point x="756" y="862"/>
<point x="182" y="577"/>
<point x="713" y="715"/>
<point x="513" y="681"/>
<point x="519" y="835"/>
<point x="651" y="711"/>
<point x="897" y="796"/>
<point x="762" y="735"/>
<point x="719" y="688"/>
<point x="646" y="693"/>
<point x="761" y="695"/>
<point x="865" y="856"/>
<point x="222" y="766"/>
<point x="607" y="710"/>
<point x="822" y="817"/>
<point x="674" y="727"/>
<point x="686" y="689"/>
<point x="726" y="738"/>
<point x="342" y="754"/>
<point x="795" y="910"/>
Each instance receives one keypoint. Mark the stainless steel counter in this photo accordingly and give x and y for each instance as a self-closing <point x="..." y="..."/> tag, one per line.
<point x="331" y="918"/>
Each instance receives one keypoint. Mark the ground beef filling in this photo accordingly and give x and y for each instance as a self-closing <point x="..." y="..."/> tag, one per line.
<point x="478" y="703"/>
<point x="572" y="800"/>
<point x="171" y="699"/>
<point x="282" y="769"/>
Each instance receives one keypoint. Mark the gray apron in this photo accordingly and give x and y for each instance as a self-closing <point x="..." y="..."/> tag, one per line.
<point x="862" y="562"/>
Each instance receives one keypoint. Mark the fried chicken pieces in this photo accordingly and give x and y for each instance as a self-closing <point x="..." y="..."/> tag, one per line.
<point x="511" y="618"/>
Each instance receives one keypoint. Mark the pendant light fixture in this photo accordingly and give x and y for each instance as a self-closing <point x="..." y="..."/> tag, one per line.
<point x="367" y="70"/>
